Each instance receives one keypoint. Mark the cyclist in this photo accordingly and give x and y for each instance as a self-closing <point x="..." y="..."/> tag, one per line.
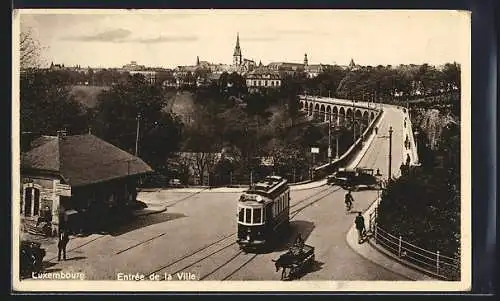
<point x="348" y="200"/>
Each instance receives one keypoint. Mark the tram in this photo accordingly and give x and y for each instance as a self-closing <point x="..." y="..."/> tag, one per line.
<point x="262" y="212"/>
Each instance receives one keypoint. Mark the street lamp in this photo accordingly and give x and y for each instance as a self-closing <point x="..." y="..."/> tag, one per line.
<point x="390" y="155"/>
<point x="337" y="134"/>
<point x="137" y="135"/>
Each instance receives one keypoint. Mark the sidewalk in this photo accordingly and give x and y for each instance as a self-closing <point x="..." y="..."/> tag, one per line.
<point x="379" y="256"/>
<point x="366" y="145"/>
<point x="293" y="187"/>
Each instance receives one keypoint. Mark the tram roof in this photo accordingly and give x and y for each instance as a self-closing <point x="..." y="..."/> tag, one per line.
<point x="268" y="184"/>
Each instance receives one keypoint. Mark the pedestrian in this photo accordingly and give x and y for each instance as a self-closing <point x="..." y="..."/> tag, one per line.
<point x="63" y="242"/>
<point x="408" y="159"/>
<point x="376" y="130"/>
<point x="360" y="226"/>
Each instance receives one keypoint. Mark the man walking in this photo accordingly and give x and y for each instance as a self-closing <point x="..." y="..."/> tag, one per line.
<point x="360" y="226"/>
<point x="63" y="242"/>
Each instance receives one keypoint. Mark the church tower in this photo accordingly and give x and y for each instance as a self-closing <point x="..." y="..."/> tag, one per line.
<point x="237" y="57"/>
<point x="305" y="60"/>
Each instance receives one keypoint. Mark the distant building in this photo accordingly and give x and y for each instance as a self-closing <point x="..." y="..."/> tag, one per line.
<point x="262" y="78"/>
<point x="353" y="66"/>
<point x="237" y="56"/>
<point x="133" y="66"/>
<point x="149" y="75"/>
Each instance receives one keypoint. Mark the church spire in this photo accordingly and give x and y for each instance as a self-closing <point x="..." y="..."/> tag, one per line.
<point x="237" y="57"/>
<point x="305" y="59"/>
<point x="197" y="60"/>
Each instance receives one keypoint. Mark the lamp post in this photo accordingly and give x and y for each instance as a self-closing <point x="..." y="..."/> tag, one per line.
<point x="337" y="133"/>
<point x="137" y="135"/>
<point x="390" y="155"/>
<point x="329" y="137"/>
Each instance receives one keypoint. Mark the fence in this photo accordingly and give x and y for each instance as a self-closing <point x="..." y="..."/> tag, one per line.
<point x="433" y="263"/>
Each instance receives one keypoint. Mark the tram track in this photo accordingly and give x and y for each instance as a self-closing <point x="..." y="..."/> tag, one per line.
<point x="294" y="213"/>
<point x="198" y="252"/>
<point x="80" y="246"/>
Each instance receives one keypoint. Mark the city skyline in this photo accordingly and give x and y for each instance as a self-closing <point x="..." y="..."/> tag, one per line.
<point x="172" y="38"/>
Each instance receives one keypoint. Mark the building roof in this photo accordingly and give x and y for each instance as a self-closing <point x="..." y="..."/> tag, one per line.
<point x="82" y="159"/>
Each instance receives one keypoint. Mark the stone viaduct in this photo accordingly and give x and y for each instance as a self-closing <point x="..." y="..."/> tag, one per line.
<point x="340" y="112"/>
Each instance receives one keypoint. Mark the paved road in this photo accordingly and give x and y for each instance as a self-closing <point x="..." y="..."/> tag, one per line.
<point x="197" y="233"/>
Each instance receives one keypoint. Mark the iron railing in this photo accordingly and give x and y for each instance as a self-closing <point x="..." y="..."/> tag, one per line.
<point x="433" y="263"/>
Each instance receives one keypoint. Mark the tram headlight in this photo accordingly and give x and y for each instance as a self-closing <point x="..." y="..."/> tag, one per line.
<point x="248" y="237"/>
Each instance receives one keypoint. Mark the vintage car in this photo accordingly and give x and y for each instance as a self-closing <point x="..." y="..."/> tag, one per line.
<point x="30" y="257"/>
<point x="341" y="176"/>
<point x="175" y="183"/>
<point x="354" y="179"/>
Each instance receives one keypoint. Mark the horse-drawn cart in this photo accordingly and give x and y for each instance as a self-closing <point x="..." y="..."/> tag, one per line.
<point x="296" y="260"/>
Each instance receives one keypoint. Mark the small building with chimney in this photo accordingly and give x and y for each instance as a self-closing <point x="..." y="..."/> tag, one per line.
<point x="80" y="180"/>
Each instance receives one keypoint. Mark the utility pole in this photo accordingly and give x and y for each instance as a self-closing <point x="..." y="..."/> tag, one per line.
<point x="337" y="133"/>
<point x="137" y="135"/>
<point x="329" y="137"/>
<point x="390" y="155"/>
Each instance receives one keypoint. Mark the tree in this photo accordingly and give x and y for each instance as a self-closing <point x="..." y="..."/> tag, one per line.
<point x="46" y="105"/>
<point x="29" y="49"/>
<point x="116" y="118"/>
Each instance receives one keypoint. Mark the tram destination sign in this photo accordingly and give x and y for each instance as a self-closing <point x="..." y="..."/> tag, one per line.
<point x="63" y="189"/>
<point x="315" y="150"/>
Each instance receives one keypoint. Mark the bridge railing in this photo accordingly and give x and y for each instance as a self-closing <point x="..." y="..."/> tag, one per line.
<point x="345" y="102"/>
<point x="349" y="156"/>
<point x="432" y="263"/>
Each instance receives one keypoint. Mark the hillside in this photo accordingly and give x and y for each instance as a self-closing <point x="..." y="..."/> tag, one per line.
<point x="87" y="95"/>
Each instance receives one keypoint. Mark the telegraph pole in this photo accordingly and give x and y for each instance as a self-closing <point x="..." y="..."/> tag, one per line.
<point x="390" y="155"/>
<point x="137" y="135"/>
<point x="329" y="137"/>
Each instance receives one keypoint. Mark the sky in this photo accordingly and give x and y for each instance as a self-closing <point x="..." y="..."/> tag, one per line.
<point x="169" y="38"/>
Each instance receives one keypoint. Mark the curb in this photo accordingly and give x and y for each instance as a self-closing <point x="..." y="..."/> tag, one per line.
<point x="388" y="262"/>
<point x="138" y="213"/>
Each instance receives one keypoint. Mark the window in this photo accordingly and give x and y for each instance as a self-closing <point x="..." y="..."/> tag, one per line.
<point x="241" y="214"/>
<point x="260" y="83"/>
<point x="248" y="215"/>
<point x="257" y="215"/>
<point x="28" y="197"/>
<point x="31" y="200"/>
<point x="254" y="83"/>
<point x="36" y="202"/>
<point x="265" y="83"/>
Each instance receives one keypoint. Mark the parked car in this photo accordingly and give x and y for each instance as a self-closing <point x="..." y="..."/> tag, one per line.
<point x="341" y="176"/>
<point x="175" y="183"/>
<point x="30" y="257"/>
<point x="353" y="179"/>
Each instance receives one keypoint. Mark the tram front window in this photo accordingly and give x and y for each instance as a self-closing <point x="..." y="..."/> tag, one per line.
<point x="257" y="215"/>
<point x="241" y="214"/>
<point x="248" y="215"/>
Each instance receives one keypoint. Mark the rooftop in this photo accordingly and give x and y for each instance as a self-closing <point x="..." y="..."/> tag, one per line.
<point x="81" y="159"/>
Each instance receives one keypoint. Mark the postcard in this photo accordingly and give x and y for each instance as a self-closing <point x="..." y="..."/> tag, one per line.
<point x="241" y="150"/>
